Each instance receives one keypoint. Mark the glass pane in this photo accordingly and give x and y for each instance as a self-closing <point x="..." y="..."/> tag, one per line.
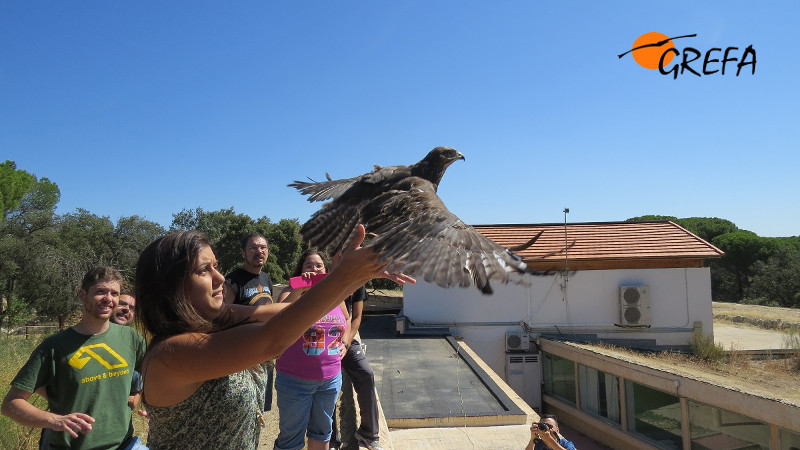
<point x="713" y="428"/>
<point x="654" y="415"/>
<point x="599" y="393"/>
<point x="789" y="440"/>
<point x="559" y="377"/>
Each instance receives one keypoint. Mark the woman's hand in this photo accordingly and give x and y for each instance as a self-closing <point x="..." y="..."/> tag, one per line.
<point x="362" y="262"/>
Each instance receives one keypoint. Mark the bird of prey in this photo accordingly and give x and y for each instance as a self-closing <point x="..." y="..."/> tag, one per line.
<point x="409" y="224"/>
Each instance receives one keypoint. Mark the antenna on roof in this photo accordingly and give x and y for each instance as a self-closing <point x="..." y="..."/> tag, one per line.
<point x="566" y="245"/>
<point x="566" y="267"/>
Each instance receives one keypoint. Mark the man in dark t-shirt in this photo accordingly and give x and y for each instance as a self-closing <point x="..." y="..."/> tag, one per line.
<point x="249" y="285"/>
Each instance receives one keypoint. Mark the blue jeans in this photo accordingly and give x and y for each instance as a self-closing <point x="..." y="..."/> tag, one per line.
<point x="305" y="407"/>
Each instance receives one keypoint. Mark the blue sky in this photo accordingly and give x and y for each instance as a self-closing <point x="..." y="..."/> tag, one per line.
<point x="150" y="107"/>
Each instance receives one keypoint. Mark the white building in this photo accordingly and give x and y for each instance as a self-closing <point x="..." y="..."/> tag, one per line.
<point x="640" y="284"/>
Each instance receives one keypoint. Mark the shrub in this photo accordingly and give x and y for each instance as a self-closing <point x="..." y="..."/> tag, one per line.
<point x="704" y="347"/>
<point x="792" y="342"/>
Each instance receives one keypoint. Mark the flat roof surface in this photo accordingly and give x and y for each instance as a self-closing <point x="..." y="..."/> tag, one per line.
<point x="426" y="381"/>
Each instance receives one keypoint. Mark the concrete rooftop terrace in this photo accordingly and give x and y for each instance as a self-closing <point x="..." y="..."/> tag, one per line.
<point x="435" y="393"/>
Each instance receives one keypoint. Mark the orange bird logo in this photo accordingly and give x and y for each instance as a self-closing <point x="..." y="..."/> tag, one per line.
<point x="649" y="48"/>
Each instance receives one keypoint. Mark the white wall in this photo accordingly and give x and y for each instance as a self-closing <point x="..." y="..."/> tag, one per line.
<point x="679" y="297"/>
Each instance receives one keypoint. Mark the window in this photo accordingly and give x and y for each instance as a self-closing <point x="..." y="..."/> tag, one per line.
<point x="654" y="415"/>
<point x="713" y="427"/>
<point x="559" y="377"/>
<point x="789" y="439"/>
<point x="599" y="393"/>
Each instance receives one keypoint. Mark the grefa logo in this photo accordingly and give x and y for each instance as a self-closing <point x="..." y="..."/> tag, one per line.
<point x="78" y="360"/>
<point x="657" y="50"/>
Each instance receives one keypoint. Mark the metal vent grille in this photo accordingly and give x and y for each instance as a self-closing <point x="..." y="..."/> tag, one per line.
<point x="631" y="295"/>
<point x="632" y="314"/>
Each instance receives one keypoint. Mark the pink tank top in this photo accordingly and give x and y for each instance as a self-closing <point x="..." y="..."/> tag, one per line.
<point x="315" y="356"/>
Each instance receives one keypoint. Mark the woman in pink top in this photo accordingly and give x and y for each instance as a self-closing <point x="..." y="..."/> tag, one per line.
<point x="309" y="372"/>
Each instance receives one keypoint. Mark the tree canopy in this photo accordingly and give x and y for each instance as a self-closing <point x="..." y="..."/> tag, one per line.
<point x="751" y="269"/>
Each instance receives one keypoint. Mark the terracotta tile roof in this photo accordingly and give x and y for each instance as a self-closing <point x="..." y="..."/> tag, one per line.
<point x="605" y="245"/>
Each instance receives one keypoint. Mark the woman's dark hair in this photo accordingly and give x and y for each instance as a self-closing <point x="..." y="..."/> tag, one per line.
<point x="163" y="269"/>
<point x="298" y="269"/>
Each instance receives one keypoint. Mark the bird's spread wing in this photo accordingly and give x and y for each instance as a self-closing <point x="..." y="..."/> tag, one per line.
<point x="421" y="237"/>
<point x="333" y="189"/>
<point x="323" y="190"/>
<point x="418" y="235"/>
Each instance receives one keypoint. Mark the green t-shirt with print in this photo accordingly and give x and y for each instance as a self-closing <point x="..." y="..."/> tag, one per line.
<point x="90" y="375"/>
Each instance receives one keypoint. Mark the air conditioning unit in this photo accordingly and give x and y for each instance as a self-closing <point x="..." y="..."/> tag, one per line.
<point x="634" y="305"/>
<point x="517" y="342"/>
<point x="524" y="376"/>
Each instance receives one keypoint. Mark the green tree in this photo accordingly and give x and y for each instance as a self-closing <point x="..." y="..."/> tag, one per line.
<point x="23" y="230"/>
<point x="742" y="250"/>
<point x="130" y="236"/>
<point x="59" y="257"/>
<point x="35" y="211"/>
<point x="286" y="246"/>
<point x="14" y="184"/>
<point x="778" y="279"/>
<point x="707" y="227"/>
<point x="650" y="218"/>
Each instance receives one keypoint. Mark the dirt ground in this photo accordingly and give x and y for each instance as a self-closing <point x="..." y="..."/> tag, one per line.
<point x="756" y="312"/>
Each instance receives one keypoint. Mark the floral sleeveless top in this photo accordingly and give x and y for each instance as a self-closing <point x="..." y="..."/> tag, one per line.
<point x="225" y="413"/>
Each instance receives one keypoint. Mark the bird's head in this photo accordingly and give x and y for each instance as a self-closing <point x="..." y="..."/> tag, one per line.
<point x="444" y="156"/>
<point x="433" y="165"/>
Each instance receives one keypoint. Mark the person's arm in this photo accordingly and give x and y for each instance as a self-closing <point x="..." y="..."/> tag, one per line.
<point x="531" y="443"/>
<point x="17" y="408"/>
<point x="355" y="322"/>
<point x="179" y="365"/>
<point x="228" y="292"/>
<point x="344" y="345"/>
<point x="290" y="295"/>
<point x="133" y="400"/>
<point x="236" y="314"/>
<point x="550" y="439"/>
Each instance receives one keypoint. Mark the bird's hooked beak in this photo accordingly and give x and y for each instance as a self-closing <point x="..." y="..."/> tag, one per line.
<point x="455" y="156"/>
<point x="451" y="157"/>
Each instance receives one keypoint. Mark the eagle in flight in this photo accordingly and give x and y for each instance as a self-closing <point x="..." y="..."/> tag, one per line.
<point x="409" y="225"/>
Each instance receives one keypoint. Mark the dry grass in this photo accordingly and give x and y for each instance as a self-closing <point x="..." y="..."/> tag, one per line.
<point x="772" y="378"/>
<point x="755" y="312"/>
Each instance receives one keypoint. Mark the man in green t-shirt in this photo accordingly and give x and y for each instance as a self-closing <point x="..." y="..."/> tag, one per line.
<point x="85" y="373"/>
